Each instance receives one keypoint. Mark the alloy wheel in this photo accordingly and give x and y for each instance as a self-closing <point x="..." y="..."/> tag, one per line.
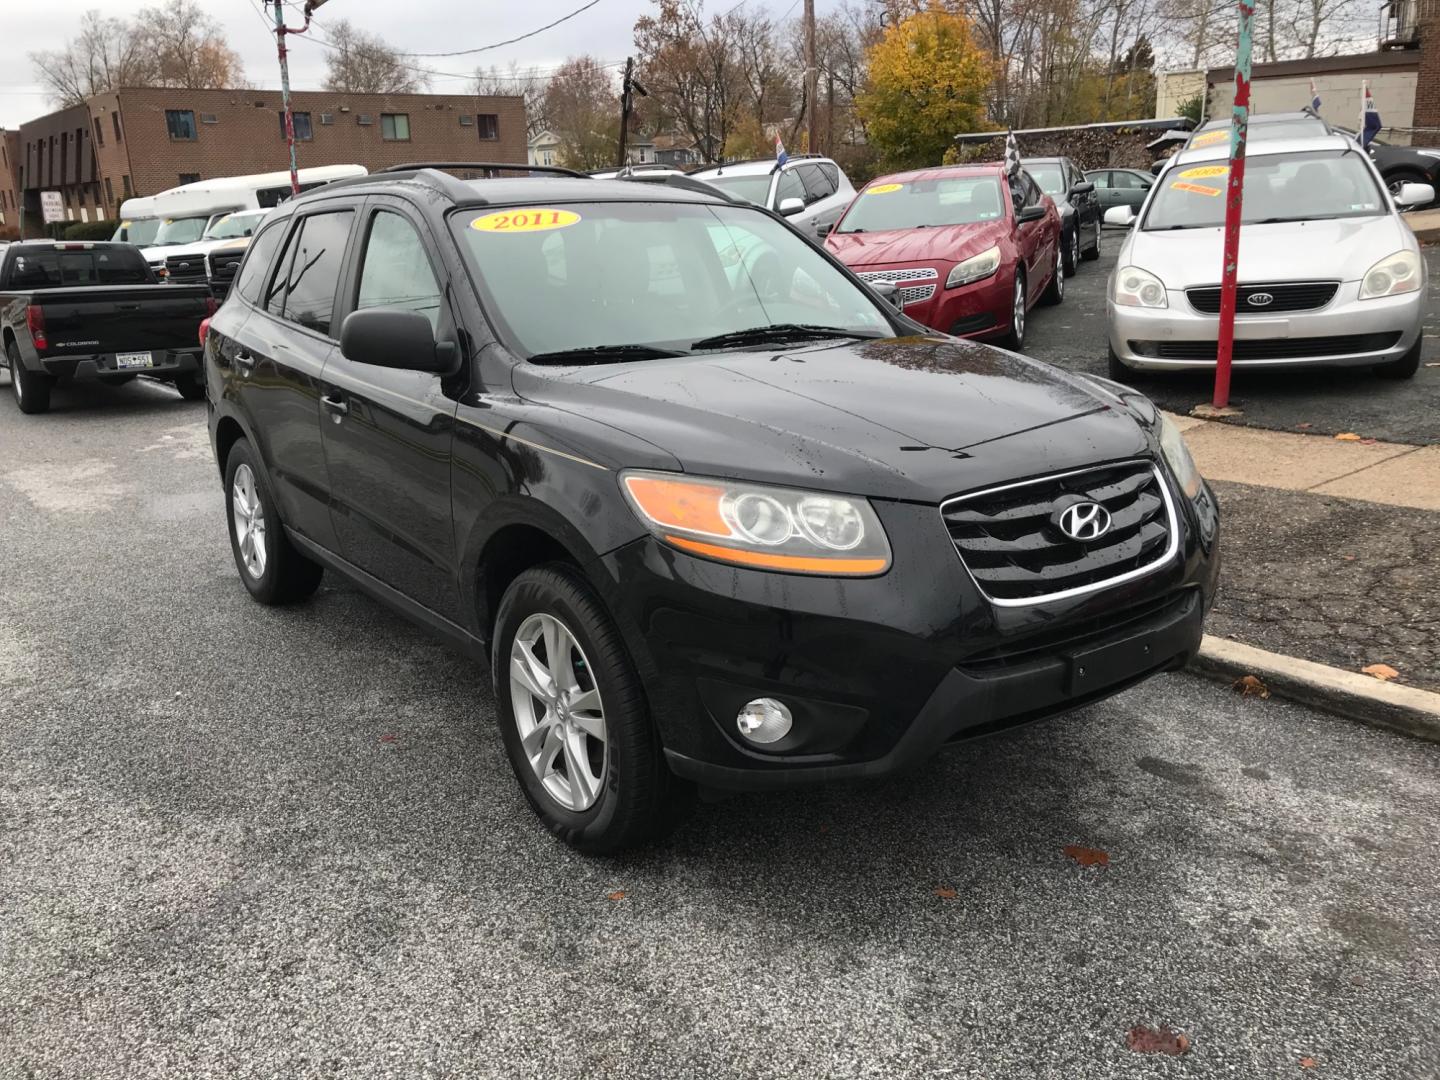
<point x="1018" y="316"/>
<point x="248" y="513"/>
<point x="1075" y="247"/>
<point x="558" y="712"/>
<point x="1059" y="275"/>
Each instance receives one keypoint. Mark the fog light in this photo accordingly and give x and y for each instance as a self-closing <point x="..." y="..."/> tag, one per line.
<point x="764" y="720"/>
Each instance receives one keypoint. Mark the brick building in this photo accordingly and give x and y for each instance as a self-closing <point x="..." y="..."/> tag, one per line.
<point x="9" y="182"/>
<point x="1427" y="92"/>
<point x="139" y="142"/>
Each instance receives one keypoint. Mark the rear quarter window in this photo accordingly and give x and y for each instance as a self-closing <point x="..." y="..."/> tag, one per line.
<point x="258" y="259"/>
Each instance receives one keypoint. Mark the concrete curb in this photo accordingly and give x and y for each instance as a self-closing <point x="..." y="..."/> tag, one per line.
<point x="1357" y="697"/>
<point x="1426" y="225"/>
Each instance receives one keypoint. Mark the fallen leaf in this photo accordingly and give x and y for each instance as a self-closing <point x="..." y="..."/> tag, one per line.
<point x="389" y="738"/>
<point x="945" y="892"/>
<point x="1383" y="672"/>
<point x="1088" y="856"/>
<point x="1307" y="1063"/>
<point x="618" y="894"/>
<point x="1161" y="1040"/>
<point x="1368" y="442"/>
<point x="1304" y="425"/>
<point x="1250" y="686"/>
<point x="1348" y="558"/>
<point x="1348" y="436"/>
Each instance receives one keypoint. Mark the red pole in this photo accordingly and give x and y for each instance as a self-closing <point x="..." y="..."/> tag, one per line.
<point x="1234" y="198"/>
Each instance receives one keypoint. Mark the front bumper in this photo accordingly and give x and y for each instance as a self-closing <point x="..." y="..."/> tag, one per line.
<point x="1345" y="332"/>
<point x="879" y="673"/>
<point x="167" y="364"/>
<point x="978" y="310"/>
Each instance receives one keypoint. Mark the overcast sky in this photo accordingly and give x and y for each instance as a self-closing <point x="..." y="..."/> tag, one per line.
<point x="426" y="26"/>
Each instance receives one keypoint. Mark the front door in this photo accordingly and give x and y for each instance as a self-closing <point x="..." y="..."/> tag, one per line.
<point x="388" y="431"/>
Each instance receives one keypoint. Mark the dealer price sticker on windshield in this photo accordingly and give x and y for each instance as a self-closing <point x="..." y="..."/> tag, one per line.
<point x="1197" y="189"/>
<point x="1205" y="172"/>
<point x="1210" y="138"/>
<point x="541" y="219"/>
<point x="883" y="189"/>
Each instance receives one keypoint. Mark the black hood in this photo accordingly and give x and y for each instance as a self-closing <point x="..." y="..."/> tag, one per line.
<point x="914" y="418"/>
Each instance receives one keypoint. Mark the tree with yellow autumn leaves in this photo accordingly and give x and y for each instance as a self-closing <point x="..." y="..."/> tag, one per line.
<point x="928" y="80"/>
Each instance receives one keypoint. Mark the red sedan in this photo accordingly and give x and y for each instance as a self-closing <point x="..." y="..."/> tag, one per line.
<point x="971" y="249"/>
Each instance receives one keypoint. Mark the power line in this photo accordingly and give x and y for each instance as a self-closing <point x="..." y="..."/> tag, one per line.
<point x="511" y="41"/>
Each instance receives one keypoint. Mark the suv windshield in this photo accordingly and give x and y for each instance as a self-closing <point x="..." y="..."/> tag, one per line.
<point x="140" y="232"/>
<point x="1048" y="176"/>
<point x="660" y="275"/>
<point x="234" y="225"/>
<point x="754" y="188"/>
<point x="1278" y="187"/>
<point x="917" y="204"/>
<point x="184" y="230"/>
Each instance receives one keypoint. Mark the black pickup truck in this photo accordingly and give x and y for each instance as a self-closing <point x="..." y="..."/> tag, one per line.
<point x="94" y="311"/>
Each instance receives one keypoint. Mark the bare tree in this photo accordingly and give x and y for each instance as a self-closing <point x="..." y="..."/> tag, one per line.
<point x="361" y="63"/>
<point x="106" y="55"/>
<point x="582" y="109"/>
<point x="187" y="46"/>
<point x="492" y="82"/>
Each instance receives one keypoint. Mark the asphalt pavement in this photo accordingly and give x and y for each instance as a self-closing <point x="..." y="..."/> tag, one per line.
<point x="1323" y="401"/>
<point x="239" y="842"/>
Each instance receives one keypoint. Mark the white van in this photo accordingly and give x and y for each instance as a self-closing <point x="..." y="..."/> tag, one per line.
<point x="184" y="214"/>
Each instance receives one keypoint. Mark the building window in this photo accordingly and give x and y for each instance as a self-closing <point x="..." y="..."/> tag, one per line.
<point x="466" y="120"/>
<point x="209" y="118"/>
<point x="115" y="122"/>
<point x="99" y="133"/>
<point x="395" y="127"/>
<point x="488" y="126"/>
<point x="181" y="124"/>
<point x="303" y="130"/>
<point x="326" y="119"/>
<point x="189" y="177"/>
<point x="364" y="119"/>
<point x="125" y="186"/>
<point x="109" y="192"/>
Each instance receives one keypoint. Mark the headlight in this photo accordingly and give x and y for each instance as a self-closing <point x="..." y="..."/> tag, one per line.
<point x="769" y="528"/>
<point x="1138" y="288"/>
<point x="1177" y="456"/>
<point x="975" y="268"/>
<point x="1392" y="275"/>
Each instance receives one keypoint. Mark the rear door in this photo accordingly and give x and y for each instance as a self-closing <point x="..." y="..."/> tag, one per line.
<point x="283" y="348"/>
<point x="822" y="205"/>
<point x="388" y="432"/>
<point x="1104" y="192"/>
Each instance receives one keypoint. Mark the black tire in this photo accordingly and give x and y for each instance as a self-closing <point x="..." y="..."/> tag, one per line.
<point x="636" y="792"/>
<point x="1014" y="340"/>
<point x="1405" y="367"/>
<point x="191" y="386"/>
<point x="30" y="388"/>
<point x="1396" y="177"/>
<point x="1055" y="291"/>
<point x="285" y="575"/>
<point x="1117" y="369"/>
<point x="1071" y="244"/>
<point x="1092" y="253"/>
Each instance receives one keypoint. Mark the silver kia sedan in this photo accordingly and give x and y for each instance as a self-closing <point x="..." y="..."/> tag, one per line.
<point x="1329" y="272"/>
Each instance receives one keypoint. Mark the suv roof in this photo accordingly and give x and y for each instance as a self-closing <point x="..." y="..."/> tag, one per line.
<point x="1288" y="145"/>
<point x="1266" y="118"/>
<point x="760" y="166"/>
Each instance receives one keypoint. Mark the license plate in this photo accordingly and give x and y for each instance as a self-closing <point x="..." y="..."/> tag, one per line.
<point x="1109" y="664"/>
<point x="134" y="359"/>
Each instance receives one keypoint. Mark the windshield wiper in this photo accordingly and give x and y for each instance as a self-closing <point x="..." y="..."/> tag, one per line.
<point x="1277" y="220"/>
<point x="763" y="335"/>
<point x="603" y="354"/>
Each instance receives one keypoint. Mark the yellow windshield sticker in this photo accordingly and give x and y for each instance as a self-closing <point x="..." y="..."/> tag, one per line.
<point x="1205" y="171"/>
<point x="125" y="224"/>
<point x="883" y="189"/>
<point x="1210" y="138"/>
<point x="1197" y="189"/>
<point x="539" y="220"/>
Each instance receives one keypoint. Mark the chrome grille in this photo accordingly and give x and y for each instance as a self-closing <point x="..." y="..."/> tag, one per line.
<point x="915" y="293"/>
<point x="1008" y="539"/>
<point x="1284" y="296"/>
<point x="896" y="277"/>
<point x="186" y="267"/>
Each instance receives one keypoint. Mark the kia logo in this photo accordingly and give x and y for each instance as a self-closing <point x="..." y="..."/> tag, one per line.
<point x="1084" y="521"/>
<point x="1260" y="299"/>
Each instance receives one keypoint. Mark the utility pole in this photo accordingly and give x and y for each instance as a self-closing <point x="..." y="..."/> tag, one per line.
<point x="280" y="31"/>
<point x="631" y="84"/>
<point x="811" y="129"/>
<point x="1234" y="195"/>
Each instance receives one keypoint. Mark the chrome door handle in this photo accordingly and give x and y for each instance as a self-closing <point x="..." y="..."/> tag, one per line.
<point x="336" y="404"/>
<point x="244" y="361"/>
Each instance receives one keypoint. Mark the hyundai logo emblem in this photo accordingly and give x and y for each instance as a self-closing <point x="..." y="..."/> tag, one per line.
<point x="1084" y="521"/>
<point x="1260" y="299"/>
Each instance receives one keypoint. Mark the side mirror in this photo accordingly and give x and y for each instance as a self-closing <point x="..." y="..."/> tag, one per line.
<point x="1157" y="166"/>
<point x="790" y="207"/>
<point x="889" y="292"/>
<point x="1414" y="195"/>
<point x="822" y="228"/>
<point x="1030" y="213"/>
<point x="394" y="338"/>
<point x="1120" y="215"/>
<point x="1082" y="188"/>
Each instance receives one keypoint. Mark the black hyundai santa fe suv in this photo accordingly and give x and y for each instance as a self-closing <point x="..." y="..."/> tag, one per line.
<point x="712" y="510"/>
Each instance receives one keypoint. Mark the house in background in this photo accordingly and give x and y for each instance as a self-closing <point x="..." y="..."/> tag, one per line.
<point x="544" y="149"/>
<point x="677" y="150"/>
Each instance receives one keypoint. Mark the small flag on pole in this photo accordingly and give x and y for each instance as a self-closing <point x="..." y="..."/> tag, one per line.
<point x="780" y="155"/>
<point x="1314" y="97"/>
<point x="1012" y="154"/>
<point x="1369" y="116"/>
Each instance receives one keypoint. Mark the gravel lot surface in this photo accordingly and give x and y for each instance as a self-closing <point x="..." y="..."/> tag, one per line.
<point x="1328" y="400"/>
<point x="240" y="842"/>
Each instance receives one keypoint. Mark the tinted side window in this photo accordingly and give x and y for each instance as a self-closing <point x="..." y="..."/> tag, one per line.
<point x="832" y="174"/>
<point x="817" y="186"/>
<point x="258" y="260"/>
<point x="1033" y="194"/>
<point x="314" y="272"/>
<point x="789" y="187"/>
<point x="396" y="272"/>
<point x="274" y="298"/>
<point x="1017" y="191"/>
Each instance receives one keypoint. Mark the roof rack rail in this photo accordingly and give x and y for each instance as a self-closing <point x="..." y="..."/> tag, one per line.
<point x="493" y="166"/>
<point x="684" y="183"/>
